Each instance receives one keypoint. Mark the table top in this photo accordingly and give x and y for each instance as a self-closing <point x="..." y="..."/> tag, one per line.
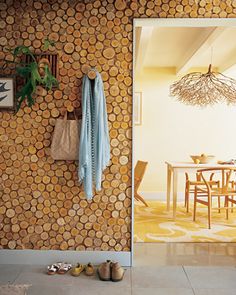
<point x="193" y="165"/>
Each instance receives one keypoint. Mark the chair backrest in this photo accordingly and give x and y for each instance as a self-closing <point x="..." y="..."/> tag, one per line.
<point x="139" y="171"/>
<point x="198" y="177"/>
<point x="226" y="174"/>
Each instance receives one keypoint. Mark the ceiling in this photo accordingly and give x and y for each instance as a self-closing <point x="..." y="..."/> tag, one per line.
<point x="184" y="48"/>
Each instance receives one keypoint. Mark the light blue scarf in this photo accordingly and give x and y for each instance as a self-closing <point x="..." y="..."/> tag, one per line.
<point x="94" y="149"/>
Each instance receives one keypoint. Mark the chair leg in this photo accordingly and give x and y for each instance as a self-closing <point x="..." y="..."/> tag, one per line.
<point x="219" y="204"/>
<point x="209" y="212"/>
<point x="195" y="204"/>
<point x="187" y="196"/>
<point x="139" y="198"/>
<point x="227" y="207"/>
<point x="232" y="198"/>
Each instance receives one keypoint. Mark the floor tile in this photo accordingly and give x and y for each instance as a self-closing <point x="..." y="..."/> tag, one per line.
<point x="162" y="291"/>
<point x="214" y="291"/>
<point x="221" y="260"/>
<point x="159" y="277"/>
<point x="188" y="254"/>
<point x="222" y="249"/>
<point x="211" y="277"/>
<point x="50" y="289"/>
<point x="72" y="290"/>
<point x="37" y="276"/>
<point x="12" y="289"/>
<point x="114" y="290"/>
<point x="9" y="272"/>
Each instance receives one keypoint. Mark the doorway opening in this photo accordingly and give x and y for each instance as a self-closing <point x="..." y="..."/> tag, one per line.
<point x="167" y="132"/>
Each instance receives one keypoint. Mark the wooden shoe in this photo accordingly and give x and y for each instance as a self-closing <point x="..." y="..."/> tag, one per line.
<point x="76" y="271"/>
<point x="104" y="271"/>
<point x="89" y="270"/>
<point x="117" y="272"/>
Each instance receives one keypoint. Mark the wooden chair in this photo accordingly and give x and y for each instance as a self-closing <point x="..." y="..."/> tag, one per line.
<point x="203" y="194"/>
<point x="139" y="171"/>
<point x="190" y="187"/>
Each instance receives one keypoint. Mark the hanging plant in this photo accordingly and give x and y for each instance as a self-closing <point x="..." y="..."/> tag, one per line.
<point x="34" y="73"/>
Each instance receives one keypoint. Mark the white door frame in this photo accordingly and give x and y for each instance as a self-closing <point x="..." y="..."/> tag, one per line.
<point x="165" y="22"/>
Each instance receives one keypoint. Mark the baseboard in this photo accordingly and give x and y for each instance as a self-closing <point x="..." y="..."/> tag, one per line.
<point x="45" y="257"/>
<point x="159" y="196"/>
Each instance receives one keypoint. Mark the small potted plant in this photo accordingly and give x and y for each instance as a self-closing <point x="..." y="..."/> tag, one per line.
<point x="34" y="73"/>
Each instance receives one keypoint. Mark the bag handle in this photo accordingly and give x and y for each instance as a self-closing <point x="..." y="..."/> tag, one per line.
<point x="65" y="116"/>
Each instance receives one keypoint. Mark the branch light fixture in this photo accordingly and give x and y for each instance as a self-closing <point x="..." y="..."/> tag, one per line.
<point x="203" y="89"/>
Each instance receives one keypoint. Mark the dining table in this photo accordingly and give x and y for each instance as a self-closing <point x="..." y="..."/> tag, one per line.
<point x="174" y="168"/>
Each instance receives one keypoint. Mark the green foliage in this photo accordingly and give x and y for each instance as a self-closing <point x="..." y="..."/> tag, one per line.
<point x="49" y="80"/>
<point x="47" y="43"/>
<point x="19" y="50"/>
<point x="30" y="73"/>
<point x="32" y="77"/>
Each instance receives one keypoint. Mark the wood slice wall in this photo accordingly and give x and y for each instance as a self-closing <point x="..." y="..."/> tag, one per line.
<point x="41" y="203"/>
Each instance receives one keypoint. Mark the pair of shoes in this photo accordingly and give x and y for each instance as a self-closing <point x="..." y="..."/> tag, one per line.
<point x="76" y="271"/>
<point x="59" y="267"/>
<point x="110" y="271"/>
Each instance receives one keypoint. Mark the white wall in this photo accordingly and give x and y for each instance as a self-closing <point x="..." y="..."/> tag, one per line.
<point x="172" y="131"/>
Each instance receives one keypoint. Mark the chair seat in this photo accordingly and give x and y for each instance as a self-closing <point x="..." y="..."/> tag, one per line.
<point x="193" y="183"/>
<point x="202" y="182"/>
<point x="218" y="191"/>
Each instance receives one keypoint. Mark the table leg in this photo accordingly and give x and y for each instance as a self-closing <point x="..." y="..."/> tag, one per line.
<point x="169" y="174"/>
<point x="175" y="183"/>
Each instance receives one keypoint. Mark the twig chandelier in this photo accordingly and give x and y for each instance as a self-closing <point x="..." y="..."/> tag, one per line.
<point x="202" y="89"/>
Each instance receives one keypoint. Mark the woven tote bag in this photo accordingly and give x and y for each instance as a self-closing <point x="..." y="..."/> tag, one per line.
<point x="65" y="140"/>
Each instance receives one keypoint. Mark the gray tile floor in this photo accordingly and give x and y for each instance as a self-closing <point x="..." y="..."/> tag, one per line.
<point x="149" y="276"/>
<point x="188" y="254"/>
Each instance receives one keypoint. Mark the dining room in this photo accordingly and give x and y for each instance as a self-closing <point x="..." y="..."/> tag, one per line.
<point x="184" y="118"/>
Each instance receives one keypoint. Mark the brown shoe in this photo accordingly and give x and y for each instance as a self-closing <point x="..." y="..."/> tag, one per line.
<point x="117" y="272"/>
<point x="89" y="270"/>
<point x="104" y="271"/>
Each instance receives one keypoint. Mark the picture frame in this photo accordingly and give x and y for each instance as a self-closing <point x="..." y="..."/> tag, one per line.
<point x="7" y="93"/>
<point x="138" y="108"/>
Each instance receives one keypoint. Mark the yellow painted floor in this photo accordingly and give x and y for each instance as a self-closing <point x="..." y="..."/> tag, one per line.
<point x="155" y="224"/>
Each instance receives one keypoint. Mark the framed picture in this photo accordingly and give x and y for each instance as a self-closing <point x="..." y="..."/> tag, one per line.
<point x="7" y="94"/>
<point x="138" y="108"/>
